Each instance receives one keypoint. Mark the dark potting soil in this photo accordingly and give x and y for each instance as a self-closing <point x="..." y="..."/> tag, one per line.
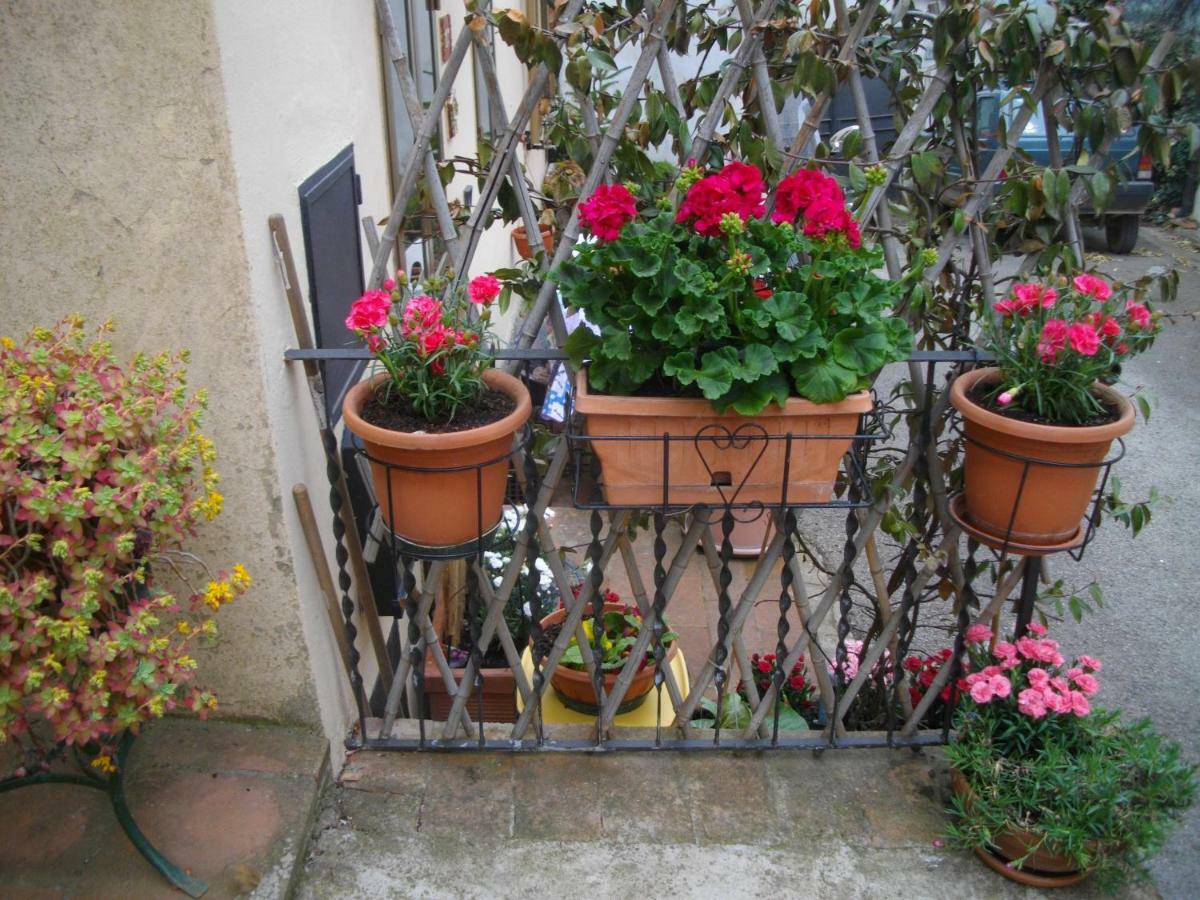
<point x="980" y="395"/>
<point x="397" y="414"/>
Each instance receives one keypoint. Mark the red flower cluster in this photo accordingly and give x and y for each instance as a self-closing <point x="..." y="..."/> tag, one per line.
<point x="818" y="199"/>
<point x="923" y="671"/>
<point x="605" y="213"/>
<point x="797" y="692"/>
<point x="738" y="189"/>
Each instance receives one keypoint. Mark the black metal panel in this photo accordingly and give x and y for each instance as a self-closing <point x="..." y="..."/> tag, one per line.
<point x="841" y="113"/>
<point x="329" y="201"/>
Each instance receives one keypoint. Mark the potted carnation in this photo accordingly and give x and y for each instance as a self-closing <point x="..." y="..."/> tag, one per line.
<point x="714" y="314"/>
<point x="437" y="421"/>
<point x="1040" y="423"/>
<point x="1049" y="790"/>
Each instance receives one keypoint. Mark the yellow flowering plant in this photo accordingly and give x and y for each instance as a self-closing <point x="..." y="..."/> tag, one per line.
<point x="104" y="475"/>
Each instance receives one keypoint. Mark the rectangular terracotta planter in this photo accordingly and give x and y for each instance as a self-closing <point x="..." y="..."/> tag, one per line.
<point x="632" y="470"/>
<point x="499" y="684"/>
<point x="499" y="695"/>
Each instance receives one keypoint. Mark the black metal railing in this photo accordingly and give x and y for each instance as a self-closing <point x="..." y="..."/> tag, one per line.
<point x="858" y="683"/>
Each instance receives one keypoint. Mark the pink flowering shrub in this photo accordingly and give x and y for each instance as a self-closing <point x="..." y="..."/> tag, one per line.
<point x="1037" y="756"/>
<point x="431" y="348"/>
<point x="1052" y="342"/>
<point x="1025" y="688"/>
<point x="104" y="476"/>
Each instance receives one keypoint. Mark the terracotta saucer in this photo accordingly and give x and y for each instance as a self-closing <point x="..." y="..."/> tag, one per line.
<point x="958" y="512"/>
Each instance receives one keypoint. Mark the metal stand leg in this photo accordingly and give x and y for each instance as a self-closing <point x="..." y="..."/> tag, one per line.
<point x="1029" y="590"/>
<point x="114" y="786"/>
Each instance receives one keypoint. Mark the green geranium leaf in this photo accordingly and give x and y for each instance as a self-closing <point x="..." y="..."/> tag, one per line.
<point x="757" y="361"/>
<point x="751" y="398"/>
<point x="823" y="381"/>
<point x="580" y="344"/>
<point x="717" y="369"/>
<point x="861" y="350"/>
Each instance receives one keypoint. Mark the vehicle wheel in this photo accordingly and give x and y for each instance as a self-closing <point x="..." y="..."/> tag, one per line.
<point x="1121" y="233"/>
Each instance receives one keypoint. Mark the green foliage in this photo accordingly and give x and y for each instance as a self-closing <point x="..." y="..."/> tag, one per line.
<point x="674" y="305"/>
<point x="104" y="476"/>
<point x="1101" y="792"/>
<point x="614" y="643"/>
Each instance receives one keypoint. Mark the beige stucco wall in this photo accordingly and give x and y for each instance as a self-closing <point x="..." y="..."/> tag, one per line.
<point x="117" y="198"/>
<point x="143" y="146"/>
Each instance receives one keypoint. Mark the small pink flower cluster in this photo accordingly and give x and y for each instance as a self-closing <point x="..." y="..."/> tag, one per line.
<point x="849" y="668"/>
<point x="424" y="321"/>
<point x="1085" y="336"/>
<point x="1030" y="670"/>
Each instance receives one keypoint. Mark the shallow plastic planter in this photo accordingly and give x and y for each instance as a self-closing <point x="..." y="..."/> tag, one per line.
<point x="440" y="490"/>
<point x="1026" y="483"/>
<point x="626" y="435"/>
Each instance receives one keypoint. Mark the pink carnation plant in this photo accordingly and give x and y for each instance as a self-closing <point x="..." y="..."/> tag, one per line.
<point x="1054" y="341"/>
<point x="431" y="348"/>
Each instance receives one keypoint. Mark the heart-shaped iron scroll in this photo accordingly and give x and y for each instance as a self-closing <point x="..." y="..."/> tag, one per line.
<point x="719" y="437"/>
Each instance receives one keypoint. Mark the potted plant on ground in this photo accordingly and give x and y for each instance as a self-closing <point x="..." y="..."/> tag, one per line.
<point x="528" y="596"/>
<point x="104" y="474"/>
<point x="1040" y="423"/>
<point x="713" y="314"/>
<point x="1049" y="790"/>
<point x="437" y="421"/>
<point x="801" y="708"/>
<point x="611" y="649"/>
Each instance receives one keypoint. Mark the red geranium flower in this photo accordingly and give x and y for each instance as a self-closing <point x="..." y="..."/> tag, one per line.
<point x="605" y="213"/>
<point x="799" y="191"/>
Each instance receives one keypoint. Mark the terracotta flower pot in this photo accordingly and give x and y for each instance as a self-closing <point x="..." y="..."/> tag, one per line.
<point x="438" y="508"/>
<point x="1055" y="498"/>
<point x="576" y="688"/>
<point x="1040" y="868"/>
<point x="521" y="240"/>
<point x="632" y="470"/>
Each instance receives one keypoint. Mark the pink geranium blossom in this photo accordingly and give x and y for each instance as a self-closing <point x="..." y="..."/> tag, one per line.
<point x="607" y="211"/>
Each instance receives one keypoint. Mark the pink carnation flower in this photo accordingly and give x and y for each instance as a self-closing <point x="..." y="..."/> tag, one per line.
<point x="483" y="289"/>
<point x="369" y="312"/>
<point x="1138" y="313"/>
<point x="1087" y="684"/>
<point x="978" y="633"/>
<point x="1079" y="704"/>
<point x="1037" y="629"/>
<point x="1032" y="703"/>
<point x="1093" y="286"/>
<point x="1084" y="339"/>
<point x="1090" y="663"/>
<point x="1053" y="339"/>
